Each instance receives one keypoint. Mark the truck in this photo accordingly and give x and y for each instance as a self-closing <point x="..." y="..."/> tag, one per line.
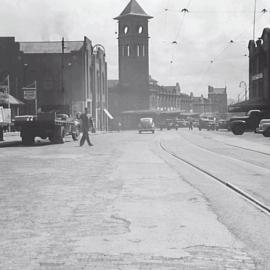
<point x="264" y="127"/>
<point x="5" y="120"/>
<point x="51" y="125"/>
<point x="240" y="124"/>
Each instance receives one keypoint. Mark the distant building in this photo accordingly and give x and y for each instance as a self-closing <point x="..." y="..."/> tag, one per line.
<point x="164" y="98"/>
<point x="200" y="104"/>
<point x="69" y="75"/>
<point x="259" y="75"/>
<point x="217" y="98"/>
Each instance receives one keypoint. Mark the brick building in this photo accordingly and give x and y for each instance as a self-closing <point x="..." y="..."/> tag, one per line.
<point x="135" y="91"/>
<point x="259" y="75"/>
<point x="69" y="75"/>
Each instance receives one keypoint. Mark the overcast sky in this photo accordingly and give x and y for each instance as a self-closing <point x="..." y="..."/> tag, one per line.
<point x="202" y="56"/>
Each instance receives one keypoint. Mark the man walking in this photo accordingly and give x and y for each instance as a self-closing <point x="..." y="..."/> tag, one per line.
<point x="86" y="123"/>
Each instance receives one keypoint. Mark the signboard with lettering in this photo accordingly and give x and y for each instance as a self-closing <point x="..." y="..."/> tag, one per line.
<point x="29" y="94"/>
<point x="257" y="77"/>
<point x="5" y="116"/>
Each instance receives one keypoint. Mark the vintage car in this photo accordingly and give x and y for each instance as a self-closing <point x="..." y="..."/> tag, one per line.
<point x="264" y="127"/>
<point x="146" y="124"/>
<point x="208" y="124"/>
<point x="223" y="124"/>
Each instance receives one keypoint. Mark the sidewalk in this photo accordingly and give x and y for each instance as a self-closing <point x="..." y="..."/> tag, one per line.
<point x="10" y="138"/>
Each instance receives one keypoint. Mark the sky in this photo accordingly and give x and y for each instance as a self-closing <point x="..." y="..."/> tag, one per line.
<point x="211" y="45"/>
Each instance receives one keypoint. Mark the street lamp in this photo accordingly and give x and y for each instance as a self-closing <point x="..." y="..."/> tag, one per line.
<point x="243" y="84"/>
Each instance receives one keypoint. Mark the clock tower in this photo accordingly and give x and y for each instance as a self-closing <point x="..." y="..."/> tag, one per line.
<point x="133" y="56"/>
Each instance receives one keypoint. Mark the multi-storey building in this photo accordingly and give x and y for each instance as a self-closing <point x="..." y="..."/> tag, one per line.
<point x="217" y="98"/>
<point x="259" y="75"/>
<point x="68" y="76"/>
<point x="135" y="92"/>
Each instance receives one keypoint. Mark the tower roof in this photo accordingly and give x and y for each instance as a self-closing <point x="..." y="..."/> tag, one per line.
<point x="133" y="8"/>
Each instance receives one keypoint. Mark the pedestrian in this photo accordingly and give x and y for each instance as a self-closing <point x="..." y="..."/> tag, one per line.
<point x="119" y="126"/>
<point x="1" y="134"/>
<point x="86" y="123"/>
<point x="190" y="126"/>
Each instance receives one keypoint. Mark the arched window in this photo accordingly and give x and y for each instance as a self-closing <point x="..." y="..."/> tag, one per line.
<point x="139" y="29"/>
<point x="125" y="29"/>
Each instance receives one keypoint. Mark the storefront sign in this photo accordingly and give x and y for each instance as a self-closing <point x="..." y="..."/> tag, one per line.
<point x="29" y="94"/>
<point x="257" y="77"/>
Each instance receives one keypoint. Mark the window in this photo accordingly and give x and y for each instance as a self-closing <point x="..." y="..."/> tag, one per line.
<point x="138" y="50"/>
<point x="143" y="50"/>
<point x="140" y="29"/>
<point x="128" y="50"/>
<point x="125" y="29"/>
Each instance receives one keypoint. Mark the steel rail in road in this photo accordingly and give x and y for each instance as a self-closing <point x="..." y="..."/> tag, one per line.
<point x="248" y="149"/>
<point x="243" y="194"/>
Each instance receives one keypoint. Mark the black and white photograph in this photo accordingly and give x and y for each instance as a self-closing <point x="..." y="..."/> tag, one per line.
<point x="134" y="135"/>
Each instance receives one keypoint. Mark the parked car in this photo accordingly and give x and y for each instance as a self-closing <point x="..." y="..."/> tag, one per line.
<point x="264" y="127"/>
<point x="208" y="124"/>
<point x="223" y="124"/>
<point x="146" y="124"/>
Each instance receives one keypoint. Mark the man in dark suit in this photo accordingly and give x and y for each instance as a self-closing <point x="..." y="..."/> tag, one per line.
<point x="86" y="123"/>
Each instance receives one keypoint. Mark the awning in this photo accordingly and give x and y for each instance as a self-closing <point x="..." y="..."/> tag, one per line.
<point x="108" y="114"/>
<point x="248" y="105"/>
<point x="11" y="100"/>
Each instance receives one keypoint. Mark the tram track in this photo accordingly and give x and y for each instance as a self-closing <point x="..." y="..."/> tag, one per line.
<point x="231" y="145"/>
<point x="248" y="149"/>
<point x="257" y="203"/>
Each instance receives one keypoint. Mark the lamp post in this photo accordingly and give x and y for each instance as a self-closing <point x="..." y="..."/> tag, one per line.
<point x="101" y="85"/>
<point x="244" y="84"/>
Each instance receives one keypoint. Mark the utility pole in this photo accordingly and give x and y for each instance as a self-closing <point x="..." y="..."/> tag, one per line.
<point x="254" y="18"/>
<point x="62" y="68"/>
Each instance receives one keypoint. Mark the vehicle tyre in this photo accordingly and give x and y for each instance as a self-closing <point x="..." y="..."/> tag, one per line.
<point x="59" y="134"/>
<point x="28" y="138"/>
<point x="266" y="133"/>
<point x="153" y="131"/>
<point x="238" y="129"/>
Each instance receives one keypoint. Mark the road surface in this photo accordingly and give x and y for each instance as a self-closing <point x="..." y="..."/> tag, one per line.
<point x="125" y="203"/>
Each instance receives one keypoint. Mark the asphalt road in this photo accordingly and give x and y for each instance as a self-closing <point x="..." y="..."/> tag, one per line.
<point x="127" y="204"/>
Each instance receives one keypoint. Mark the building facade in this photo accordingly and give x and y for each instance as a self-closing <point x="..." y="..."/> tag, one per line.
<point x="132" y="91"/>
<point x="67" y="75"/>
<point x="135" y="90"/>
<point x="217" y="98"/>
<point x="259" y="67"/>
<point x="259" y="75"/>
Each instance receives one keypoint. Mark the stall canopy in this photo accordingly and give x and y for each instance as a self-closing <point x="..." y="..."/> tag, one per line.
<point x="108" y="114"/>
<point x="11" y="100"/>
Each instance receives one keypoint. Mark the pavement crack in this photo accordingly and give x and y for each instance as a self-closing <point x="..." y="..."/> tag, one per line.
<point x="126" y="222"/>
